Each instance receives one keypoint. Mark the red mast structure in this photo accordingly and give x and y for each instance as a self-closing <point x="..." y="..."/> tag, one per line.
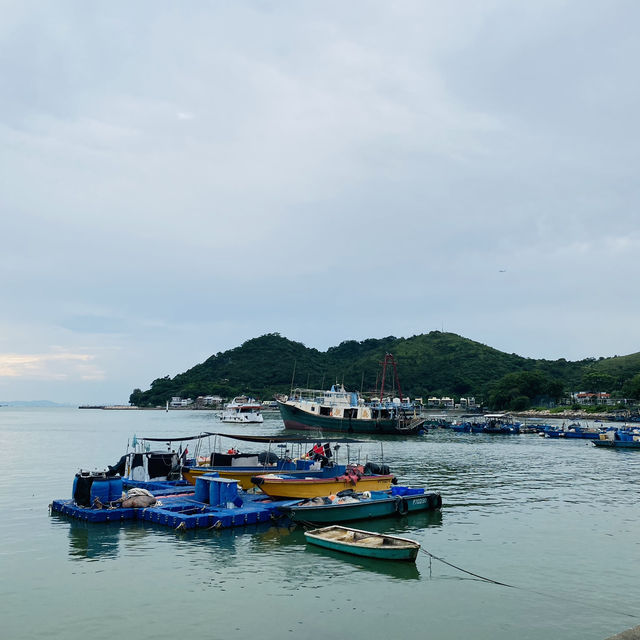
<point x="388" y="358"/>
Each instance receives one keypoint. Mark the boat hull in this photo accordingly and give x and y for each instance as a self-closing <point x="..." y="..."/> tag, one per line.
<point x="295" y="418"/>
<point x="319" y="487"/>
<point x="364" y="543"/>
<point x="617" y="444"/>
<point x="244" y="475"/>
<point x="365" y="509"/>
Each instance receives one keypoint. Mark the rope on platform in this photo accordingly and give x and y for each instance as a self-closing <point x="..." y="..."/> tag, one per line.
<point x="276" y="517"/>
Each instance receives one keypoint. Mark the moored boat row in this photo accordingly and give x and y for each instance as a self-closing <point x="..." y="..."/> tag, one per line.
<point x="352" y="492"/>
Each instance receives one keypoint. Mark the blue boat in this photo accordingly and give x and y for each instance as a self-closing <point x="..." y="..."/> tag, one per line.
<point x="492" y="423"/>
<point x="573" y="431"/>
<point x="619" y="439"/>
<point x="350" y="505"/>
<point x="617" y="444"/>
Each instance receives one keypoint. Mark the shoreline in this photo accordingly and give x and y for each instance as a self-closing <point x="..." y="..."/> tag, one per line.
<point x="544" y="413"/>
<point x="567" y="413"/>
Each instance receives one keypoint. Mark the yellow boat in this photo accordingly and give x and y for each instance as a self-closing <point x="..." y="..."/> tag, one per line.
<point x="282" y="487"/>
<point x="243" y="477"/>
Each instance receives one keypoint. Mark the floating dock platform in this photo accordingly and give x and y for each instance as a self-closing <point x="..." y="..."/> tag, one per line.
<point x="177" y="507"/>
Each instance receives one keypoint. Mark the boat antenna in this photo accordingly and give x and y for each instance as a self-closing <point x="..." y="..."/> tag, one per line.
<point x="322" y="385"/>
<point x="293" y="375"/>
<point x="362" y="382"/>
<point x="308" y="380"/>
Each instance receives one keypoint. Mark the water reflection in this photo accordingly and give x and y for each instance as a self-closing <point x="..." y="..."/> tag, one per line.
<point x="394" y="570"/>
<point x="90" y="542"/>
<point x="106" y="541"/>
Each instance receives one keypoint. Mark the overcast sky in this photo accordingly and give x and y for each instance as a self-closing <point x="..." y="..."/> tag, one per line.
<point x="178" y="178"/>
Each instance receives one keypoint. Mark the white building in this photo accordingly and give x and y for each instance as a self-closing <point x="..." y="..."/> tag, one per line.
<point x="176" y="402"/>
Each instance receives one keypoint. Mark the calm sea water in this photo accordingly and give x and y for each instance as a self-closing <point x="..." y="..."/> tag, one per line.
<point x="558" y="519"/>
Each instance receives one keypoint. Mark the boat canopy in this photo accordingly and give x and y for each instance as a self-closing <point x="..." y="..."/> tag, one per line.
<point x="249" y="438"/>
<point x="176" y="439"/>
<point x="268" y="439"/>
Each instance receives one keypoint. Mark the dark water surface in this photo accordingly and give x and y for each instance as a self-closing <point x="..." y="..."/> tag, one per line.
<point x="558" y="519"/>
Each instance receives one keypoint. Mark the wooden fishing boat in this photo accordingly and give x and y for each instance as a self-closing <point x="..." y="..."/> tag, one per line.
<point x="281" y="486"/>
<point x="313" y="459"/>
<point x="343" y="411"/>
<point x="350" y="505"/>
<point x="245" y="475"/>
<point x="364" y="543"/>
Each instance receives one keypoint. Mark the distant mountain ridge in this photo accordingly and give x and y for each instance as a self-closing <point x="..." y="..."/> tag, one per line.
<point x="436" y="363"/>
<point x="31" y="403"/>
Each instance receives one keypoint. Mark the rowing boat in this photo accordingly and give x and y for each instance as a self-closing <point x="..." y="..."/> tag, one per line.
<point x="364" y="543"/>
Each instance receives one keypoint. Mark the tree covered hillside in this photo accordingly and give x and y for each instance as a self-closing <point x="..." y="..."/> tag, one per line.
<point x="429" y="364"/>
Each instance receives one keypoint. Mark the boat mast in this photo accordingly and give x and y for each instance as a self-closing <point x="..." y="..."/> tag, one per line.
<point x="293" y="375"/>
<point x="388" y="357"/>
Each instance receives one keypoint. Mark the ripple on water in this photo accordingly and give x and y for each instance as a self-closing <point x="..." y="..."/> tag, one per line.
<point x="551" y="516"/>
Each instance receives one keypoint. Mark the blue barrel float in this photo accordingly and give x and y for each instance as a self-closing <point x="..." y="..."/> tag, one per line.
<point x="214" y="492"/>
<point x="222" y="491"/>
<point x="228" y="492"/>
<point x="100" y="487"/>
<point x="202" y="486"/>
<point x="115" y="488"/>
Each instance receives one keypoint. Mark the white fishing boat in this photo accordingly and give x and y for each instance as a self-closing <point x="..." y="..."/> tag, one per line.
<point x="242" y="409"/>
<point x="339" y="410"/>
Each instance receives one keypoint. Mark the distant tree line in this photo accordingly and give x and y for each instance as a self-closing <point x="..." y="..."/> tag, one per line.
<point x="433" y="364"/>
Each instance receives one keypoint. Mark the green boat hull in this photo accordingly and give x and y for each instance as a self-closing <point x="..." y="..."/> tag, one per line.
<point x="295" y="418"/>
<point x="406" y="551"/>
<point x="364" y="510"/>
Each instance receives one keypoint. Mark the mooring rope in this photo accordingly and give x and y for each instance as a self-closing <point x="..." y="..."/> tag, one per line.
<point x="310" y="525"/>
<point x="475" y="575"/>
<point x="513" y="586"/>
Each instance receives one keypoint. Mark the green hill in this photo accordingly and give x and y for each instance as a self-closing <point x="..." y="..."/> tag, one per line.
<point x="429" y="364"/>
